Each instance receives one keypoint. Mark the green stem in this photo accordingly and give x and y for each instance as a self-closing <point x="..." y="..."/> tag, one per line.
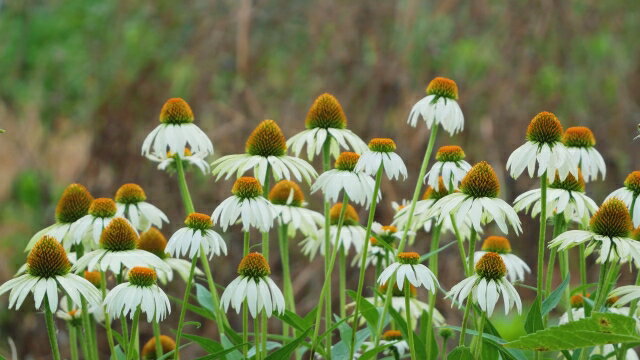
<point x="184" y="189"/>
<point x="183" y="309"/>
<point x="283" y="237"/>
<point x="480" y="330"/>
<point x="256" y="337"/>
<point x="86" y="325"/>
<point x="245" y="329"/>
<point x="326" y="165"/>
<point x="265" y="252"/>
<point x="564" y="271"/>
<point x="465" y="319"/>
<point x="221" y="317"/>
<point x="542" y="234"/>
<point x="94" y="339"/>
<point x="51" y="330"/>
<point x="550" y="267"/>
<point x="107" y="318"/>
<point x="131" y="350"/>
<point x="472" y="250"/>
<point x="460" y="240"/>
<point x="73" y="335"/>
<point x="407" y="226"/>
<point x="156" y="336"/>
<point x="125" y="330"/>
<point x="86" y="349"/>
<point x="407" y="305"/>
<point x="342" y="281"/>
<point x="582" y="262"/>
<point x="433" y="265"/>
<point x="363" y="261"/>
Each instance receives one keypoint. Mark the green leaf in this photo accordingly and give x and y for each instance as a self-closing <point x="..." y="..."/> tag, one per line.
<point x="554" y="298"/>
<point x="220" y="354"/>
<point x="496" y="342"/>
<point x="204" y="298"/>
<point x="460" y="353"/>
<point x="120" y="355"/>
<point x="534" y="318"/>
<point x="428" y="255"/>
<point x="294" y="320"/>
<point x="367" y="310"/>
<point x="421" y="351"/>
<point x="207" y="344"/>
<point x="233" y="353"/>
<point x="194" y="308"/>
<point x="284" y="353"/>
<point x="373" y="353"/>
<point x="599" y="329"/>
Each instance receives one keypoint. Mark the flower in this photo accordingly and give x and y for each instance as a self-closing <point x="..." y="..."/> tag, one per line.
<point x="255" y="286"/>
<point x="609" y="229"/>
<point x="246" y="204"/>
<point x="439" y="107"/>
<point x="149" y="348"/>
<point x="580" y="142"/>
<point x="565" y="197"/>
<point x="288" y="201"/>
<point x="47" y="269"/>
<point x="90" y="226"/>
<point x="352" y="233"/>
<point x="118" y="244"/>
<point x="359" y="186"/>
<point x="398" y="344"/>
<point x="176" y="132"/>
<point x="516" y="267"/>
<point x="381" y="154"/>
<point x="140" y="292"/>
<point x="486" y="285"/>
<point x="198" y="234"/>
<point x="167" y="161"/>
<point x="72" y="315"/>
<point x="544" y="146"/>
<point x="131" y="203"/>
<point x="477" y="202"/>
<point x="73" y="205"/>
<point x="326" y="121"/>
<point x="449" y="167"/>
<point x="388" y="235"/>
<point x="407" y="267"/>
<point x="629" y="195"/>
<point x="154" y="242"/>
<point x="266" y="148"/>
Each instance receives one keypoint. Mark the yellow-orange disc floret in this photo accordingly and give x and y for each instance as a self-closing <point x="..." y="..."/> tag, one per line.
<point x="347" y="161"/>
<point x="149" y="348"/>
<point x="326" y="112"/>
<point x="103" y="208"/>
<point x="496" y="244"/>
<point x="392" y="335"/>
<point x="130" y="194"/>
<point x="247" y="187"/>
<point x="73" y="204"/>
<point x="254" y="265"/>
<point x="411" y="258"/>
<point x="142" y="276"/>
<point x="632" y="182"/>
<point x="443" y="87"/>
<point x="350" y="215"/>
<point x="579" y="136"/>
<point x="382" y="145"/>
<point x="198" y="221"/>
<point x="94" y="277"/>
<point x="154" y="242"/>
<point x="286" y="192"/>
<point x="544" y="128"/>
<point x="266" y="140"/>
<point x="431" y="194"/>
<point x="451" y="153"/>
<point x="570" y="183"/>
<point x="47" y="259"/>
<point x="491" y="266"/>
<point x="176" y="111"/>
<point x="118" y="236"/>
<point x="612" y="219"/>
<point x="481" y="181"/>
<point x="396" y="292"/>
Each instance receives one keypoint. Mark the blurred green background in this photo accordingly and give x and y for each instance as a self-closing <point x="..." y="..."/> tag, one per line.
<point x="82" y="83"/>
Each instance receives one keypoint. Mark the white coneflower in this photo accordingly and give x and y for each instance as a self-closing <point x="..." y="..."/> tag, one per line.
<point x="544" y="147"/>
<point x="131" y="203"/>
<point x="516" y="267"/>
<point x="266" y="148"/>
<point x="383" y="235"/>
<point x="176" y="132"/>
<point x="449" y="167"/>
<point x="351" y="235"/>
<point x="71" y="314"/>
<point x="255" y="286"/>
<point x="246" y="204"/>
<point x="439" y="107"/>
<point x="288" y="200"/>
<point x="564" y="197"/>
<point x="154" y="242"/>
<point x="486" y="286"/>
<point x="48" y="269"/>
<point x="197" y="233"/>
<point x="417" y="307"/>
<point x="477" y="202"/>
<point x="609" y="231"/>
<point x="359" y="186"/>
<point x="167" y="161"/>
<point x="630" y="194"/>
<point x="90" y="226"/>
<point x="580" y="142"/>
<point x="118" y="244"/>
<point x="73" y="205"/>
<point x="149" y="349"/>
<point x="408" y="267"/>
<point x="140" y="292"/>
<point x="381" y="154"/>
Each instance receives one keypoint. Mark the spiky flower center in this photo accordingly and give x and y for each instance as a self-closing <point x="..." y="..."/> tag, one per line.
<point x="186" y="152"/>
<point x="450" y="153"/>
<point x="326" y="112"/>
<point x="47" y="259"/>
<point x="409" y="258"/>
<point x="154" y="242"/>
<point x="347" y="161"/>
<point x="93" y="277"/>
<point x="149" y="350"/>
<point x="612" y="219"/>
<point x="266" y="140"/>
<point x="544" y="128"/>
<point x="497" y="244"/>
<point x="443" y="87"/>
<point x="632" y="182"/>
<point x="130" y="194"/>
<point x="390" y="229"/>
<point x="102" y="208"/>
<point x="579" y="136"/>
<point x="254" y="265"/>
<point x="73" y="204"/>
<point x="570" y="183"/>
<point x="142" y="276"/>
<point x="396" y="292"/>
<point x="198" y="221"/>
<point x="612" y="300"/>
<point x="481" y="181"/>
<point x="118" y="236"/>
<point x="350" y="215"/>
<point x="286" y="192"/>
<point x="382" y="145"/>
<point x="577" y="301"/>
<point x="491" y="266"/>
<point x="247" y="187"/>
<point x="176" y="111"/>
<point x="432" y="194"/>
<point x="392" y="335"/>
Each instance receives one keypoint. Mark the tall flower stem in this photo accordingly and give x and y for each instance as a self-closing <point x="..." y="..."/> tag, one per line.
<point x="564" y="271"/>
<point x="94" y="339"/>
<point x="559" y="226"/>
<point x="478" y="343"/>
<point x="88" y="331"/>
<point x="131" y="349"/>
<point x="245" y="309"/>
<point x="465" y="319"/>
<point x="283" y="237"/>
<point x="256" y="337"/>
<point x="342" y="280"/>
<point x="634" y="303"/>
<point x="433" y="265"/>
<point x="51" y="330"/>
<point x="107" y="319"/>
<point x="472" y="250"/>
<point x="582" y="262"/>
<point x="407" y="306"/>
<point x="326" y="165"/>
<point x="183" y="309"/>
<point x="460" y="239"/>
<point x="363" y="261"/>
<point x="407" y="226"/>
<point x="265" y="252"/>
<point x="73" y="336"/>
<point x="156" y="336"/>
<point x="327" y="280"/>
<point x="542" y="234"/>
